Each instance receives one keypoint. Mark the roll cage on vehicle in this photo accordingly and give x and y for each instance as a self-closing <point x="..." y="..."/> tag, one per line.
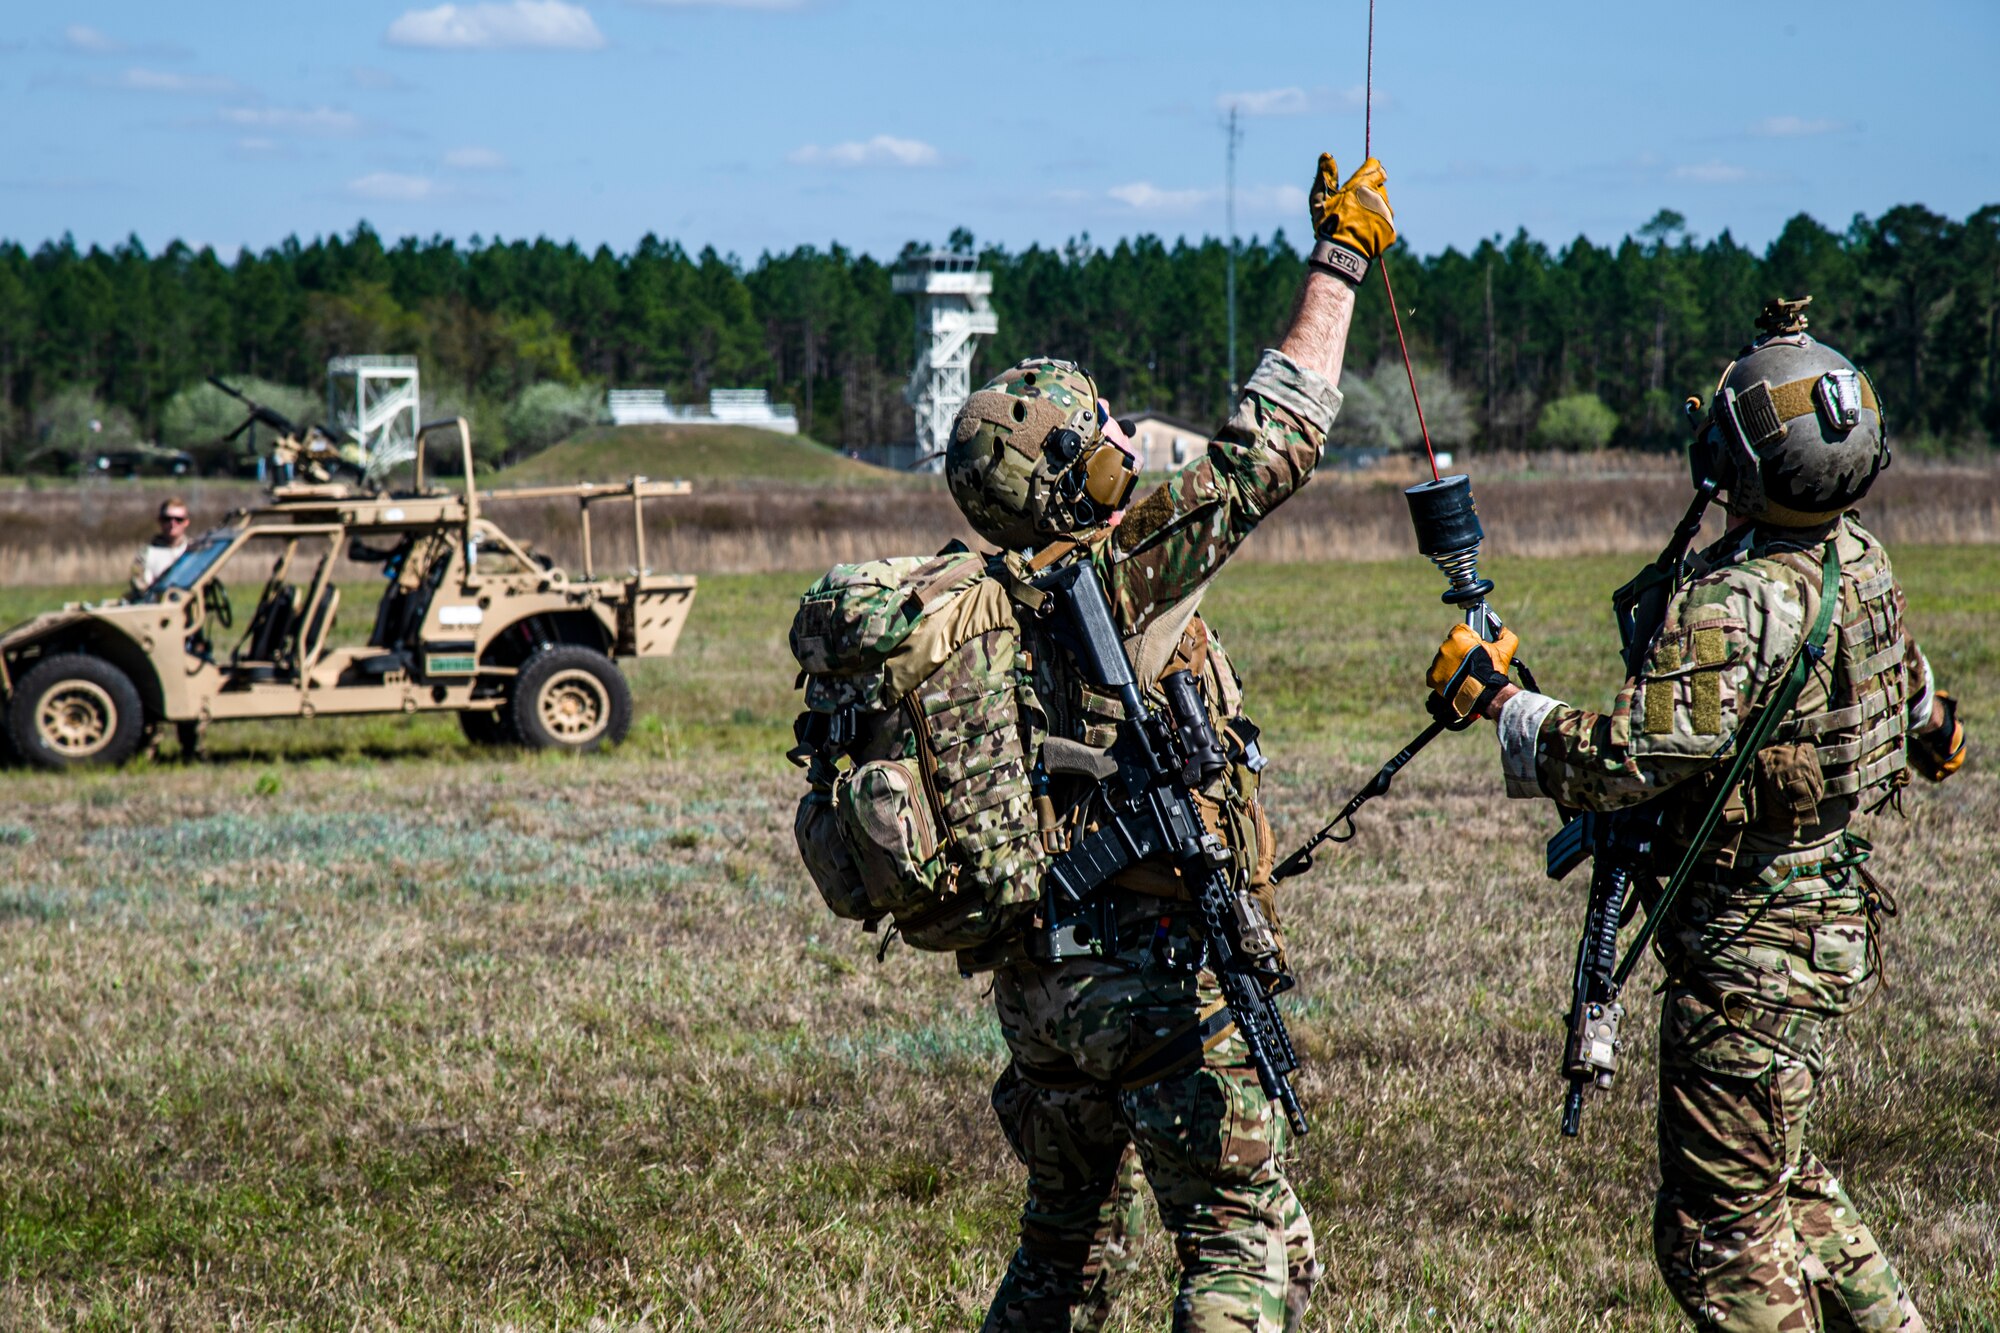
<point x="470" y="621"/>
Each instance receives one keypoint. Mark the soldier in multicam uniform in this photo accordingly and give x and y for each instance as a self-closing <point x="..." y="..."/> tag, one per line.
<point x="1775" y="937"/>
<point x="1135" y="1050"/>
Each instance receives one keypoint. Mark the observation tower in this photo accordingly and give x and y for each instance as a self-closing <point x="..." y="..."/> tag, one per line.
<point x="953" y="312"/>
<point x="375" y="398"/>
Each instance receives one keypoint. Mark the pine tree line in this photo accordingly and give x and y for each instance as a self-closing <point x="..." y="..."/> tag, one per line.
<point x="1506" y="330"/>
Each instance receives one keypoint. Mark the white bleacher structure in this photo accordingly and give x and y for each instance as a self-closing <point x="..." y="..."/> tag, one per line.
<point x="725" y="407"/>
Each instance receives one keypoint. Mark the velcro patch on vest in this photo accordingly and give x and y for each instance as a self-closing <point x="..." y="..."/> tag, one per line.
<point x="1660" y="693"/>
<point x="1709" y="650"/>
<point x="1151" y="515"/>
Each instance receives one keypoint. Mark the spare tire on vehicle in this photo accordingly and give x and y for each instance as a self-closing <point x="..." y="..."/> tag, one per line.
<point x="570" y="698"/>
<point x="73" y="710"/>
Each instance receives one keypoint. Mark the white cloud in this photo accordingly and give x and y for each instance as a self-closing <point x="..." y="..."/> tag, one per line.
<point x="884" y="150"/>
<point x="1252" y="201"/>
<point x="1273" y="199"/>
<point x="1795" y="127"/>
<point x="1146" y="197"/>
<point x="392" y="187"/>
<point x="319" y="120"/>
<point x="1711" y="173"/>
<point x="165" y="81"/>
<point x="476" y="159"/>
<point x="89" y="41"/>
<point x="80" y="39"/>
<point x="1268" y="102"/>
<point x="518" y="25"/>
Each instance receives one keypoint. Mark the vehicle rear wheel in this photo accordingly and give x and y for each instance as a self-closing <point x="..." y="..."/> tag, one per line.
<point x="487" y="726"/>
<point x="570" y="698"/>
<point x="74" y="709"/>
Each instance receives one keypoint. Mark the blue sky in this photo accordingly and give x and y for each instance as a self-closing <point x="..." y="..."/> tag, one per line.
<point x="764" y="124"/>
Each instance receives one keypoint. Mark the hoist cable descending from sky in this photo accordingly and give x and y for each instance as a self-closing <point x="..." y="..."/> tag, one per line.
<point x="1449" y="536"/>
<point x="1389" y="288"/>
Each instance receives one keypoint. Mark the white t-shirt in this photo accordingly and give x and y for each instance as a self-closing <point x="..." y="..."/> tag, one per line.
<point x="153" y="560"/>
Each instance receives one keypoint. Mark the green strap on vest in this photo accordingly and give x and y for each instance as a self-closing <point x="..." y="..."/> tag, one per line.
<point x="1753" y="737"/>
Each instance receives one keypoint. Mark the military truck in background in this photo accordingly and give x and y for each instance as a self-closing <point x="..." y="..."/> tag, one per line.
<point x="470" y="622"/>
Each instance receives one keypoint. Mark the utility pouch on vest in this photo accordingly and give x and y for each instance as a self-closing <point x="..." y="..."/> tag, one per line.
<point x="830" y="862"/>
<point x="1739" y="809"/>
<point x="1787" y="788"/>
<point x="885" y="818"/>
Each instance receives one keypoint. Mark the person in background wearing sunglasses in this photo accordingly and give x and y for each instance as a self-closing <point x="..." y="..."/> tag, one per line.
<point x="165" y="547"/>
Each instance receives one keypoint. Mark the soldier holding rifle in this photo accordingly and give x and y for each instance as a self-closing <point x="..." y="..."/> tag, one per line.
<point x="1774" y="692"/>
<point x="1118" y="1026"/>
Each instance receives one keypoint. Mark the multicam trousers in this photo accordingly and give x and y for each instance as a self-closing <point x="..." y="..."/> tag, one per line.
<point x="1752" y="1233"/>
<point x="1206" y="1136"/>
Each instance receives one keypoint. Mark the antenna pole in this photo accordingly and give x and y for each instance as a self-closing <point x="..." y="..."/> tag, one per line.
<point x="1229" y="270"/>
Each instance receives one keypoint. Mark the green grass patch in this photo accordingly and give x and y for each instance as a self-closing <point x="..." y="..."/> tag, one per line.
<point x="355" y="1017"/>
<point x="732" y="454"/>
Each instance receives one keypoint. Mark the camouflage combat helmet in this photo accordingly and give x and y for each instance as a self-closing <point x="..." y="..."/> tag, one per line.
<point x="1794" y="434"/>
<point x="1028" y="460"/>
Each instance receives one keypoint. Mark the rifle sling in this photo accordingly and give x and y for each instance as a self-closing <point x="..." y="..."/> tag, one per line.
<point x="1753" y="737"/>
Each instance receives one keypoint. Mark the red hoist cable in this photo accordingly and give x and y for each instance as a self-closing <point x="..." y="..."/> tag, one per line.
<point x="1382" y="261"/>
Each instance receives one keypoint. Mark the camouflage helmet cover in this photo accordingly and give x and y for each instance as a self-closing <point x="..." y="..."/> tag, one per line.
<point x="1012" y="487"/>
<point x="1795" y="432"/>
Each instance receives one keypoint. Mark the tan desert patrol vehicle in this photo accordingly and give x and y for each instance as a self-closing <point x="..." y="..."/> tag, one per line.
<point x="470" y="622"/>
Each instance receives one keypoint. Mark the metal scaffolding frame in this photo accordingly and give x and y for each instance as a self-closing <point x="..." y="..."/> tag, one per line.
<point x="377" y="398"/>
<point x="954" y="310"/>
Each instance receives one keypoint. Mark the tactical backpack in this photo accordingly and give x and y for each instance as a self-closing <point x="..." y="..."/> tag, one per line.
<point x="921" y="809"/>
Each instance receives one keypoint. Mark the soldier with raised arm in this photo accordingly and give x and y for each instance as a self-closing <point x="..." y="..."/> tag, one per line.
<point x="1132" y="1046"/>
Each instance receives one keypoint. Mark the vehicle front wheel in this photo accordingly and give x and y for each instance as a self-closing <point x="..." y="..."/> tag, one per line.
<point x="570" y="698"/>
<point x="74" y="709"/>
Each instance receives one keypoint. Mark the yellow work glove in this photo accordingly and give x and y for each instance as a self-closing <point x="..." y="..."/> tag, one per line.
<point x="1940" y="752"/>
<point x="1468" y="671"/>
<point x="1353" y="222"/>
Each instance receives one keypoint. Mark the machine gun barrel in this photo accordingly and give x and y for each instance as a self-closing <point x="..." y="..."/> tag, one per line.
<point x="258" y="412"/>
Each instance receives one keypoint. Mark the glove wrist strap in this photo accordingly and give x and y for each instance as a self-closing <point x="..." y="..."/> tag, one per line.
<point x="1349" y="265"/>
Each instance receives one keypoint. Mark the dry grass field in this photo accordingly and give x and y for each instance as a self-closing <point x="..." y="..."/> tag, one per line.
<point x="356" y="1027"/>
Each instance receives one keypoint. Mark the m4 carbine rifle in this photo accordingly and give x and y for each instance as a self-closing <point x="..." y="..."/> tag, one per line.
<point x="1620" y="843"/>
<point x="1163" y="757"/>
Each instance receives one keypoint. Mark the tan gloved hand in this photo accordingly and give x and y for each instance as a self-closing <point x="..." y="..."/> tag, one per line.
<point x="1353" y="222"/>
<point x="1940" y="752"/>
<point x="1468" y="670"/>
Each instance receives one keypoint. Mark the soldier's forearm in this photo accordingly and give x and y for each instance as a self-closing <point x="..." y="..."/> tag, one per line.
<point x="1582" y="759"/>
<point x="1317" y="338"/>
